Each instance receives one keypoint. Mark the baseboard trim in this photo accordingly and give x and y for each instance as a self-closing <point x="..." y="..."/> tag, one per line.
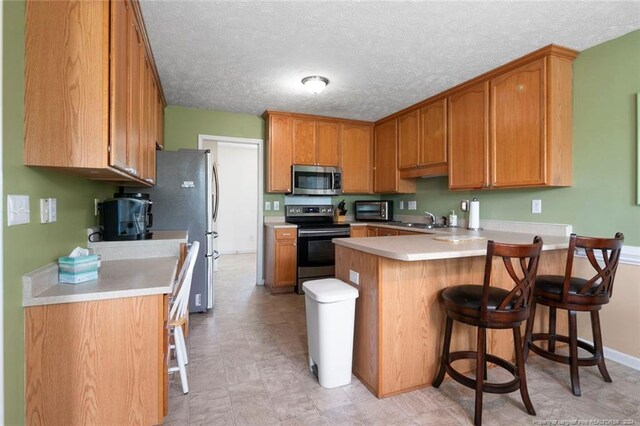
<point x="619" y="357"/>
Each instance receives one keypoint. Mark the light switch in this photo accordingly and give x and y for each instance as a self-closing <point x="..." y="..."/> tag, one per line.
<point x="267" y="205"/>
<point x="401" y="204"/>
<point x="276" y="205"/>
<point x="412" y="205"/>
<point x="17" y="210"/>
<point x="536" y="206"/>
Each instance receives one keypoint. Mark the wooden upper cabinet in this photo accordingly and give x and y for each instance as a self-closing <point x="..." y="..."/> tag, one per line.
<point x="386" y="178"/>
<point x="328" y="143"/>
<point x="422" y="141"/>
<point x="517" y="127"/>
<point x="356" y="158"/>
<point x="315" y="142"/>
<point x="433" y="132"/>
<point x="85" y="91"/>
<point x="119" y="84"/>
<point x="279" y="152"/>
<point x="468" y="121"/>
<point x="529" y="140"/>
<point x="409" y="140"/>
<point x="304" y="141"/>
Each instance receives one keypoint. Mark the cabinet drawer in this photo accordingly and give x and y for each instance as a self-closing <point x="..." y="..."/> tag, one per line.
<point x="286" y="234"/>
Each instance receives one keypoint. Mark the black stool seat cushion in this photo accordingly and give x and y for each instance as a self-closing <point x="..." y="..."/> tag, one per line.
<point x="470" y="296"/>
<point x="550" y="286"/>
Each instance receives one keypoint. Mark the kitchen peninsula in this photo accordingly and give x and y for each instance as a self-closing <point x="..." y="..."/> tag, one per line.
<point x="399" y="315"/>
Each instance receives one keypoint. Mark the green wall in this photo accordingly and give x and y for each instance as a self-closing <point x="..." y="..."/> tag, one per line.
<point x="31" y="246"/>
<point x="602" y="199"/>
<point x="183" y="125"/>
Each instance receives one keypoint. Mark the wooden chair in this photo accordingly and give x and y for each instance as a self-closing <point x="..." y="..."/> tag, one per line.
<point x="576" y="295"/>
<point x="488" y="307"/>
<point x="178" y="314"/>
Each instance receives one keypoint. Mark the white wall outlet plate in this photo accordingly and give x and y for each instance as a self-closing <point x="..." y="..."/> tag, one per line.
<point x="267" y="205"/>
<point x="48" y="210"/>
<point x="401" y="204"/>
<point x="412" y="205"/>
<point x="354" y="277"/>
<point x="18" y="212"/>
<point x="276" y="205"/>
<point x="95" y="206"/>
<point x="536" y="206"/>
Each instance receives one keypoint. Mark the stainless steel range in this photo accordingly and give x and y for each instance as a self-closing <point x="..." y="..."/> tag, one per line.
<point x="316" y="252"/>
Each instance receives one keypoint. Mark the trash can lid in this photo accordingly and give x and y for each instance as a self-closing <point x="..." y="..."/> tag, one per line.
<point x="329" y="290"/>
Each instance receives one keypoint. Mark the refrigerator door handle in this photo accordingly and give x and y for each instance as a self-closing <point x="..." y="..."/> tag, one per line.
<point x="215" y="195"/>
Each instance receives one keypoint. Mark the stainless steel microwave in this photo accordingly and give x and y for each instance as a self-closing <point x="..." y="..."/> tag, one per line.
<point x="316" y="180"/>
<point x="381" y="211"/>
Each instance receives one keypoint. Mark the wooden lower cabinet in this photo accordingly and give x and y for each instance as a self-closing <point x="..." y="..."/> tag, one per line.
<point x="281" y="255"/>
<point x="358" y="231"/>
<point x="97" y="362"/>
<point x="400" y="318"/>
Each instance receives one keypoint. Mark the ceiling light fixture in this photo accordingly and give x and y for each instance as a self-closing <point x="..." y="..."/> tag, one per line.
<point x="315" y="83"/>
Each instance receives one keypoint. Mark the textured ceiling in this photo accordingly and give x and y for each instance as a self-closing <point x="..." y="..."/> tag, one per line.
<point x="380" y="56"/>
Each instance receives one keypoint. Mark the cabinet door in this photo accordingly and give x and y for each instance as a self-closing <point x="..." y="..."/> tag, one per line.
<point x="135" y="53"/>
<point x="119" y="78"/>
<point x="385" y="154"/>
<point x="327" y="143"/>
<point x="408" y="139"/>
<point x="433" y="129"/>
<point x="518" y="127"/>
<point x="386" y="232"/>
<point x="356" y="159"/>
<point x="279" y="153"/>
<point x="468" y="139"/>
<point x="358" y="231"/>
<point x="372" y="231"/>
<point x="304" y="141"/>
<point x="285" y="263"/>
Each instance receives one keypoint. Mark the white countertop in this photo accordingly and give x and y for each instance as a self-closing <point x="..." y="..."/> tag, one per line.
<point x="427" y="247"/>
<point x="116" y="279"/>
<point x="163" y="244"/>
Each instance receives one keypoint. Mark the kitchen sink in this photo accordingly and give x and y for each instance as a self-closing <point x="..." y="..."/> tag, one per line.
<point x="418" y="225"/>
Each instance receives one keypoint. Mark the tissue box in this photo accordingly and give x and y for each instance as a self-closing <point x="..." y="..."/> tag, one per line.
<point x="77" y="269"/>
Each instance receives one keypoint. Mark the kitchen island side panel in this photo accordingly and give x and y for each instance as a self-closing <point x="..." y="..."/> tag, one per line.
<point x="366" y="341"/>
<point x="399" y="332"/>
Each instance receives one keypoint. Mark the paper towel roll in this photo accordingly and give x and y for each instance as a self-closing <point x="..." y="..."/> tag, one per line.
<point x="474" y="214"/>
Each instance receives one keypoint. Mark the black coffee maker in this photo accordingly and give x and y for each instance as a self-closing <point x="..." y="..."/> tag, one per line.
<point x="127" y="216"/>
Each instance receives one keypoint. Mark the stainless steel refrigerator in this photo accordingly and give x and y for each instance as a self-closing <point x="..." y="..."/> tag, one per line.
<point x="186" y="198"/>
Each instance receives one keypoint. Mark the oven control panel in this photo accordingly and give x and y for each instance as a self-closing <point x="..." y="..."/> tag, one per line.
<point x="309" y="211"/>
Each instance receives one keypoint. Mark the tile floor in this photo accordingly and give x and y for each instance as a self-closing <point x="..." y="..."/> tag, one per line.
<point x="248" y="367"/>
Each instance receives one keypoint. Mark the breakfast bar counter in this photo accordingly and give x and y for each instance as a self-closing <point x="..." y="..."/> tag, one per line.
<point x="400" y="317"/>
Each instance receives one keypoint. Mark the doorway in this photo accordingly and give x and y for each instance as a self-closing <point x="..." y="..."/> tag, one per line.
<point x="239" y="224"/>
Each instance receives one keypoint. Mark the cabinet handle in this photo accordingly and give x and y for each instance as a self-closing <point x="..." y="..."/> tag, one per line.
<point x="286" y="234"/>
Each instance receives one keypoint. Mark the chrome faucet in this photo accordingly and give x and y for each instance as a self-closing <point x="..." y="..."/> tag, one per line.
<point x="432" y="217"/>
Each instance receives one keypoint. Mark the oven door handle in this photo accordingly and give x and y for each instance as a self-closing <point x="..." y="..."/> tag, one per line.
<point x="321" y="233"/>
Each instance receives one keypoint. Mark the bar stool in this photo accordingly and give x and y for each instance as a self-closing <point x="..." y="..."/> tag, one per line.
<point x="490" y="307"/>
<point x="576" y="295"/>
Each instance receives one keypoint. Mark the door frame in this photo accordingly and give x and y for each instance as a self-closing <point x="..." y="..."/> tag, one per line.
<point x="202" y="139"/>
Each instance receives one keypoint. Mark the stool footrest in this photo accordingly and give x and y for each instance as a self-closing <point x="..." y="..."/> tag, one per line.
<point x="564" y="359"/>
<point x="506" y="387"/>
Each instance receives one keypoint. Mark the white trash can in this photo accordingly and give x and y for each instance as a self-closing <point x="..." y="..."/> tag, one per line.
<point x="331" y="305"/>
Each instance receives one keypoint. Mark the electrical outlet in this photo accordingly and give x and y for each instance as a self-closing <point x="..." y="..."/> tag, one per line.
<point x="48" y="210"/>
<point x="95" y="206"/>
<point x="412" y="205"/>
<point x="536" y="206"/>
<point x="401" y="204"/>
<point x="354" y="277"/>
<point x="276" y="205"/>
<point x="267" y="205"/>
<point x="198" y="299"/>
